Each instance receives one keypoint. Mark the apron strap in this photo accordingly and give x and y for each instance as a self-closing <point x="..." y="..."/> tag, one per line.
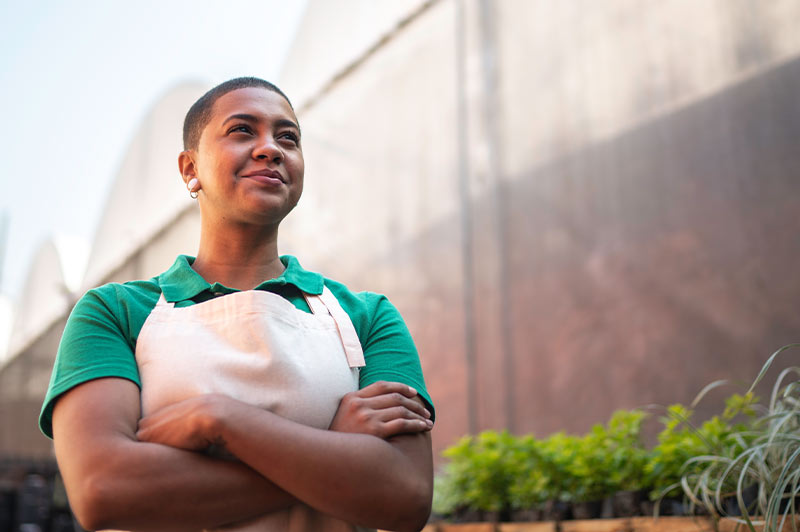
<point x="326" y="303"/>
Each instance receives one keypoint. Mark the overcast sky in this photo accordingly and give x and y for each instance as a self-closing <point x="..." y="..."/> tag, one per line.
<point x="76" y="79"/>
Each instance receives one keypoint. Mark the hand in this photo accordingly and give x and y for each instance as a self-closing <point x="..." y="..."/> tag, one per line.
<point x="188" y="424"/>
<point x="383" y="409"/>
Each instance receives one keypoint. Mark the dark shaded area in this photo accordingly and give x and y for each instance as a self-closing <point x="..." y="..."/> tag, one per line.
<point x="32" y="497"/>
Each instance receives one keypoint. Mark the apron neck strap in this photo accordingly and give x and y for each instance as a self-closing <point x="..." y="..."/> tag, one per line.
<point x="326" y="303"/>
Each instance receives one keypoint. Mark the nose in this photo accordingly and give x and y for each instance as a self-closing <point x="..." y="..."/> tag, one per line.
<point x="268" y="149"/>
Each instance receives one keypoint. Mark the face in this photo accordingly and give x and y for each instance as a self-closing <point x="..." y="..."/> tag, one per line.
<point x="248" y="161"/>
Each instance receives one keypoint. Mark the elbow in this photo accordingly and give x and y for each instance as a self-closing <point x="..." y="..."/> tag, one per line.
<point x="91" y="504"/>
<point x="418" y="516"/>
<point x="416" y="510"/>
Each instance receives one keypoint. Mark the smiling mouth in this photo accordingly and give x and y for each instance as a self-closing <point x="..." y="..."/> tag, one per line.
<point x="269" y="177"/>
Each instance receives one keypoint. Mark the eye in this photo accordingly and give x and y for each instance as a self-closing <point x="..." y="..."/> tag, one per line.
<point x="291" y="136"/>
<point x="240" y="128"/>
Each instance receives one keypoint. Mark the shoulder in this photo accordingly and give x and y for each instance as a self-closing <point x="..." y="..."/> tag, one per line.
<point x="367" y="310"/>
<point x="99" y="339"/>
<point x="127" y="291"/>
<point x="120" y="300"/>
<point x="389" y="349"/>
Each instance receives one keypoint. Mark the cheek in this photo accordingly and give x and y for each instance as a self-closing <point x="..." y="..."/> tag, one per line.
<point x="298" y="168"/>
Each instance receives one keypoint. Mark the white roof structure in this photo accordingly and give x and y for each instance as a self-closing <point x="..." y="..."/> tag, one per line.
<point x="146" y="194"/>
<point x="6" y="319"/>
<point x="147" y="191"/>
<point x="45" y="296"/>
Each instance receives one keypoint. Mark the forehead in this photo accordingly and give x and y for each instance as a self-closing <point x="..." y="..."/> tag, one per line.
<point x="257" y="101"/>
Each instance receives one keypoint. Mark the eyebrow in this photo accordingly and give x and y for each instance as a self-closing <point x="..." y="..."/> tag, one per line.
<point x="282" y="122"/>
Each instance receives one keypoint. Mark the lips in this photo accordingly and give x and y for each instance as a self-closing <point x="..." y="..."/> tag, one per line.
<point x="266" y="176"/>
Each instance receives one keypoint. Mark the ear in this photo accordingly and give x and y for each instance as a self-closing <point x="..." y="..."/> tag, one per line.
<point x="187" y="166"/>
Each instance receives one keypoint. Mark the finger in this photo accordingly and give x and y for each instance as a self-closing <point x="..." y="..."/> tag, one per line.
<point x="387" y="387"/>
<point x="397" y="412"/>
<point x="406" y="426"/>
<point x="381" y="402"/>
<point x="145" y="429"/>
<point x="141" y="426"/>
<point x="142" y="433"/>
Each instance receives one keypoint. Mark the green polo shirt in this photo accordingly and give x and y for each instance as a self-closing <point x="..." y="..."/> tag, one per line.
<point x="99" y="339"/>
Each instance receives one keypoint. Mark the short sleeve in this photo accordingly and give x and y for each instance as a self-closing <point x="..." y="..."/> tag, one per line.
<point x="389" y="350"/>
<point x="94" y="345"/>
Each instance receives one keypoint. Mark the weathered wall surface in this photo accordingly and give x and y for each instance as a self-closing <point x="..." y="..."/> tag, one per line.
<point x="577" y="206"/>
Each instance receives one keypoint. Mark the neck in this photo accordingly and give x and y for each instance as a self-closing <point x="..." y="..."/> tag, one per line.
<point x="240" y="259"/>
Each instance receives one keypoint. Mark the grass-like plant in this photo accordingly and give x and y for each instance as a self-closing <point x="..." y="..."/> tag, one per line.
<point x="762" y="458"/>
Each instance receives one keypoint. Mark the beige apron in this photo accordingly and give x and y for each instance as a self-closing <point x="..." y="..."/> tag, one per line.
<point x="257" y="347"/>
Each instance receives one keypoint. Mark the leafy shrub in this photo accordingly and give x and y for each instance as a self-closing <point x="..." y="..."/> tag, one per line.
<point x="625" y="453"/>
<point x="480" y="470"/>
<point x="530" y="483"/>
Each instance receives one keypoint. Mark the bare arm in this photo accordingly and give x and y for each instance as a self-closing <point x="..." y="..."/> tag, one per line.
<point x="114" y="480"/>
<point x="360" y="478"/>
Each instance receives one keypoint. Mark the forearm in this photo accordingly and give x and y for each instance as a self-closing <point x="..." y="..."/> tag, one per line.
<point x="113" y="480"/>
<point x="145" y="486"/>
<point x="356" y="477"/>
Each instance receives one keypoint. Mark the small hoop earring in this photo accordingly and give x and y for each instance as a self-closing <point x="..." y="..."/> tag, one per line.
<point x="193" y="187"/>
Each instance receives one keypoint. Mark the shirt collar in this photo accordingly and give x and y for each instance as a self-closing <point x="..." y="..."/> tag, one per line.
<point x="180" y="282"/>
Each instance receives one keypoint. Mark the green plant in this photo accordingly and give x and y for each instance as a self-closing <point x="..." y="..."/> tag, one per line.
<point x="762" y="456"/>
<point x="677" y="444"/>
<point x="590" y="466"/>
<point x="480" y="471"/>
<point x="445" y="495"/>
<point x="530" y="484"/>
<point x="684" y="453"/>
<point x="558" y="453"/>
<point x="625" y="451"/>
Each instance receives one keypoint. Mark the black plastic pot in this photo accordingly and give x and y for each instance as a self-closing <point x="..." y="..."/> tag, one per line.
<point x="750" y="498"/>
<point x="526" y="516"/>
<point x="500" y="516"/>
<point x="587" y="509"/>
<point x="556" y="511"/>
<point x="627" y="503"/>
<point x="789" y="503"/>
<point x="671" y="506"/>
<point x="465" y="514"/>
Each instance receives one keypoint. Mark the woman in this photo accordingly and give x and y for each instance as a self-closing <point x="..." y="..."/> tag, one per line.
<point x="315" y="390"/>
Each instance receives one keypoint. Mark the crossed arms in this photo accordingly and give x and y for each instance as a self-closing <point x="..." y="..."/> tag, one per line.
<point x="373" y="467"/>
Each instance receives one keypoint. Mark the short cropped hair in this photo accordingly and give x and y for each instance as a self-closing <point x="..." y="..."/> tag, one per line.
<point x="200" y="112"/>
